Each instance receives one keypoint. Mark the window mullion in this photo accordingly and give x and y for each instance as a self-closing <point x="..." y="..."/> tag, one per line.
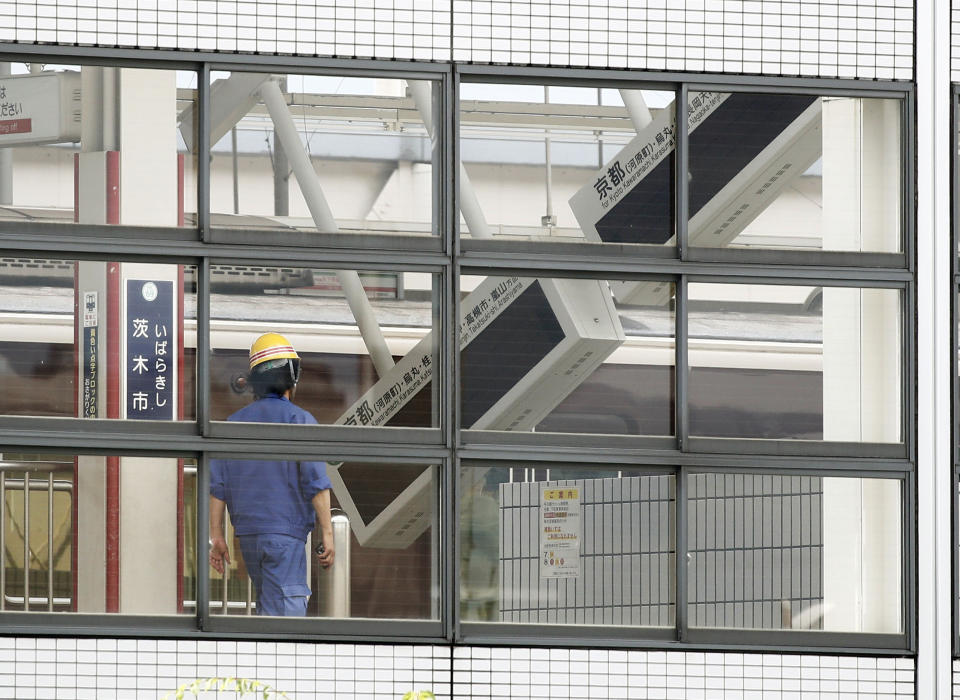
<point x="202" y="544"/>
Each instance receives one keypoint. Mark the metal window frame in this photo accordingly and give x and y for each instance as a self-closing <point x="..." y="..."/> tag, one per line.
<point x="447" y="445"/>
<point x="511" y="633"/>
<point x="440" y="75"/>
<point x="955" y="367"/>
<point x="478" y="251"/>
<point x="609" y="253"/>
<point x="905" y="259"/>
<point x="344" y="433"/>
<point x="370" y="242"/>
<point x="201" y="624"/>
<point x="907" y="478"/>
<point x="681" y="636"/>
<point x="341" y="629"/>
<point x="683" y="440"/>
<point x="202" y="63"/>
<point x="484" y="73"/>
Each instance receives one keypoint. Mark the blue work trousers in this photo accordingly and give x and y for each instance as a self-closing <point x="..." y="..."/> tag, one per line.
<point x="277" y="565"/>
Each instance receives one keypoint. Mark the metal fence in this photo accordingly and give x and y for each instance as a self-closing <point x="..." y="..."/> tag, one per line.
<point x="25" y="479"/>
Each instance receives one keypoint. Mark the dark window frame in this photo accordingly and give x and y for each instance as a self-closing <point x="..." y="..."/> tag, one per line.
<point x="448" y="445"/>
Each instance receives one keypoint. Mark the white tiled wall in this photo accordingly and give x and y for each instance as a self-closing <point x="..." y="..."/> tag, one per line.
<point x="845" y="38"/>
<point x="111" y="668"/>
<point x="565" y="673"/>
<point x="955" y="40"/>
<point x="829" y="38"/>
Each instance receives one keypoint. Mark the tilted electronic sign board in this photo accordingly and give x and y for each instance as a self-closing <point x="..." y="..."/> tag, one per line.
<point x="744" y="149"/>
<point x="525" y="345"/>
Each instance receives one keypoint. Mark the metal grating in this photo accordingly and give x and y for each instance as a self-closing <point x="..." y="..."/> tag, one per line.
<point x="628" y="555"/>
<point x="755" y="551"/>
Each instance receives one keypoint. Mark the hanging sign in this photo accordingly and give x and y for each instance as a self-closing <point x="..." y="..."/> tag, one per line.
<point x="150" y="356"/>
<point x="415" y="369"/>
<point x="40" y="108"/>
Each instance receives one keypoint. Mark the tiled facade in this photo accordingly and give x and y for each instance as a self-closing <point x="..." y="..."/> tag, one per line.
<point x="824" y="38"/>
<point x="125" y="668"/>
<point x="864" y="39"/>
<point x="955" y="40"/>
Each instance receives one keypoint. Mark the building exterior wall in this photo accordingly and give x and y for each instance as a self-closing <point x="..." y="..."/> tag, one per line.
<point x="146" y="668"/>
<point x="856" y="39"/>
<point x="823" y="38"/>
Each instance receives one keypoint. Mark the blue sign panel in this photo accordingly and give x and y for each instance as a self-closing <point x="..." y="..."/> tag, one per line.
<point x="151" y="352"/>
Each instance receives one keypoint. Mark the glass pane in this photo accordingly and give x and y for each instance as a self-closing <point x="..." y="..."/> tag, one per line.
<point x="795" y="171"/>
<point x="75" y="333"/>
<point x="562" y="163"/>
<point x="567" y="546"/>
<point x="380" y="375"/>
<point x="564" y="355"/>
<point x="97" y="145"/>
<point x="323" y="153"/>
<point x="87" y="554"/>
<point x="835" y="352"/>
<point x="795" y="552"/>
<point x="384" y="536"/>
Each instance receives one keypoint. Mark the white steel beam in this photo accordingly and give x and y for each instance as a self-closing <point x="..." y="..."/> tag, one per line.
<point x="469" y="204"/>
<point x="349" y="280"/>
<point x="636" y="108"/>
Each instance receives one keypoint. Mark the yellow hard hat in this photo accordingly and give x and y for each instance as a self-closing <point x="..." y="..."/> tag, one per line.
<point x="271" y="346"/>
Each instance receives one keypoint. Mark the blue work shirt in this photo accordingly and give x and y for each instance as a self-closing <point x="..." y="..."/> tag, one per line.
<point x="269" y="496"/>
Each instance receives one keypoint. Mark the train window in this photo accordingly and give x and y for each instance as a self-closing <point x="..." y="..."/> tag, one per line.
<point x="567" y="545"/>
<point x="111" y="551"/>
<point x="834" y="351"/>
<point x="384" y="535"/>
<point x="776" y="170"/>
<point x="97" y="145"/>
<point x="323" y="153"/>
<point x="365" y="344"/>
<point x="567" y="355"/>
<point x="93" y="339"/>
<point x="567" y="164"/>
<point x="779" y="552"/>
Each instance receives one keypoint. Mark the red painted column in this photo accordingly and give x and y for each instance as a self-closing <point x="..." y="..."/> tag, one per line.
<point x="77" y="314"/>
<point x="114" y="331"/>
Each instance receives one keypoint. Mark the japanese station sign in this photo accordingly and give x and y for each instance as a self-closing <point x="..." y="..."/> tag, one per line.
<point x="560" y="527"/>
<point x="91" y="361"/>
<point x="637" y="159"/>
<point x="150" y="349"/>
<point x="40" y="108"/>
<point x="415" y="369"/>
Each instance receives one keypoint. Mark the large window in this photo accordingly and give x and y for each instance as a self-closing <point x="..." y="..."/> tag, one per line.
<point x="561" y="356"/>
<point x="323" y="154"/>
<point x="799" y="171"/>
<point x="61" y="554"/>
<point x="98" y="145"/>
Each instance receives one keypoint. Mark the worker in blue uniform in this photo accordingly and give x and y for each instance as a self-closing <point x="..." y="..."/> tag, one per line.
<point x="273" y="504"/>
